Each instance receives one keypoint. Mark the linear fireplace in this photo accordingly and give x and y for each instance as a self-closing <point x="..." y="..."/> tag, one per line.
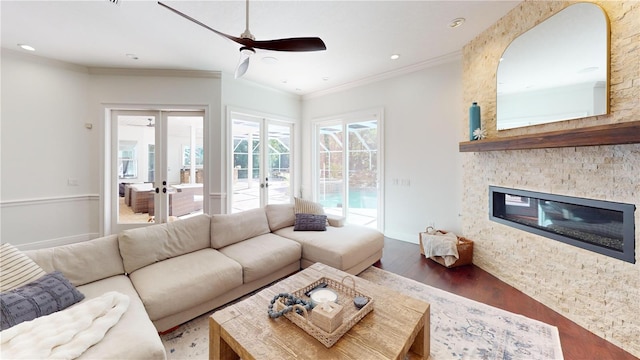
<point x="601" y="226"/>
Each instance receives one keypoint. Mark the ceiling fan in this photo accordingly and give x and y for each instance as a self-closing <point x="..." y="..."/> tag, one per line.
<point x="150" y="124"/>
<point x="249" y="43"/>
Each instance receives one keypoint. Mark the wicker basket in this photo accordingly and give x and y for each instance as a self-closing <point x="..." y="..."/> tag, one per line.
<point x="464" y="245"/>
<point x="351" y="315"/>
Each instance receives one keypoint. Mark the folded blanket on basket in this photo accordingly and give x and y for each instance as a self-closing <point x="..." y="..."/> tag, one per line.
<point x="64" y="334"/>
<point x="439" y="244"/>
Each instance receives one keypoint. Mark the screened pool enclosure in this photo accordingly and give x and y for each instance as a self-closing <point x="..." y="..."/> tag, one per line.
<point x="345" y="160"/>
<point x="347" y="182"/>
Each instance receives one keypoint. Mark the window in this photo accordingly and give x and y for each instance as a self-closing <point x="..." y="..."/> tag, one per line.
<point x="186" y="156"/>
<point x="127" y="160"/>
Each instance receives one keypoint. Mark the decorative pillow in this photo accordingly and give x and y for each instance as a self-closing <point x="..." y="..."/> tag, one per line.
<point x="310" y="222"/>
<point x="46" y="295"/>
<point x="307" y="207"/>
<point x="16" y="268"/>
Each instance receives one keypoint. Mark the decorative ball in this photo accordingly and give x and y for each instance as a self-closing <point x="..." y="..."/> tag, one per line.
<point x="360" y="301"/>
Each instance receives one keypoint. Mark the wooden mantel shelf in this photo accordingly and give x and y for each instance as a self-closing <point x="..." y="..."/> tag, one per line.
<point x="611" y="134"/>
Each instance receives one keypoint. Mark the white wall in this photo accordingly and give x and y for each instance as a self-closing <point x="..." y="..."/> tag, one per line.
<point x="46" y="104"/>
<point x="421" y="123"/>
<point x="44" y="145"/>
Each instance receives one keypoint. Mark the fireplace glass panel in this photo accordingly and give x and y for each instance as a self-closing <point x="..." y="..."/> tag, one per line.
<point x="601" y="226"/>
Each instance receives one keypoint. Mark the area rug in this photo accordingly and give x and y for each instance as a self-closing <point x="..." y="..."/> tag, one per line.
<point x="460" y="328"/>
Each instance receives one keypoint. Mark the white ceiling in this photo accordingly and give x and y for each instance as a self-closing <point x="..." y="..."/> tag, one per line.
<point x="360" y="35"/>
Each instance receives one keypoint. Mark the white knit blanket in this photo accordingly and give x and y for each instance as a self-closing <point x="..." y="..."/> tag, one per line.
<point x="64" y="334"/>
<point x="439" y="244"/>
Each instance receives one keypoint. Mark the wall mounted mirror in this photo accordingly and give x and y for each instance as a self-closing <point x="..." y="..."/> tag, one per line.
<point x="558" y="70"/>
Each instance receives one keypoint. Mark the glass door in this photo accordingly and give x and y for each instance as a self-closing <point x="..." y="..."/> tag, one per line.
<point x="157" y="171"/>
<point x="348" y="168"/>
<point x="278" y="163"/>
<point x="261" y="162"/>
<point x="331" y="183"/>
<point x="362" y="182"/>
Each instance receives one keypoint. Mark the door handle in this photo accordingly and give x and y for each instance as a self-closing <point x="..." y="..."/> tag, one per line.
<point x="164" y="190"/>
<point x="157" y="190"/>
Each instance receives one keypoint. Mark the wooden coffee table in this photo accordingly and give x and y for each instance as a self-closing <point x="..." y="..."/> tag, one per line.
<point x="397" y="326"/>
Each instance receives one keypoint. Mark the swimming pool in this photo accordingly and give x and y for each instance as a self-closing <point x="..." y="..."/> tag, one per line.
<point x="358" y="199"/>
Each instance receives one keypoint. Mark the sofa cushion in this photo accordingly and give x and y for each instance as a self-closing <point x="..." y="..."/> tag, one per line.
<point x="263" y="255"/>
<point x="176" y="284"/>
<point x="280" y="216"/>
<point x="302" y="206"/>
<point x="144" y="246"/>
<point x="46" y="295"/>
<point x="310" y="222"/>
<point x="134" y="336"/>
<point x="341" y="248"/>
<point x="336" y="220"/>
<point x="82" y="262"/>
<point x="16" y="268"/>
<point x="227" y="229"/>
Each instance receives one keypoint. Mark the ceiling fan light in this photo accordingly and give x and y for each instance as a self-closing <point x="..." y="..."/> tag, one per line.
<point x="243" y="64"/>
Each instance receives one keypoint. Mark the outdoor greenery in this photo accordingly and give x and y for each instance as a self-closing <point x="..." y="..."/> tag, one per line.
<point x="279" y="157"/>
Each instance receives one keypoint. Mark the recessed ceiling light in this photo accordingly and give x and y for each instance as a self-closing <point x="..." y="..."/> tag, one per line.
<point x="269" y="60"/>
<point x="395" y="57"/>
<point x="456" y="22"/>
<point x="132" y="56"/>
<point x="27" y="47"/>
<point x="325" y="78"/>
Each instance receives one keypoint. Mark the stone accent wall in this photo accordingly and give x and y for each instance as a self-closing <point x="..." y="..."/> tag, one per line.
<point x="597" y="292"/>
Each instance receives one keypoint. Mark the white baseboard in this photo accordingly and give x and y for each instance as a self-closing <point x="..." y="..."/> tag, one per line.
<point x="57" y="242"/>
<point x="411" y="238"/>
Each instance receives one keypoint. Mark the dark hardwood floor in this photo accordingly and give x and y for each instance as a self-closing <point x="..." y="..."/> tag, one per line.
<point x="470" y="281"/>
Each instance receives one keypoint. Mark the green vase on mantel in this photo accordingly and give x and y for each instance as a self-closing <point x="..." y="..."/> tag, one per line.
<point x="474" y="119"/>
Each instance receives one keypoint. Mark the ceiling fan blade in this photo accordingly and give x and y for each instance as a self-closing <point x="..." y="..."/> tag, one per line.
<point x="290" y="44"/>
<point x="230" y="37"/>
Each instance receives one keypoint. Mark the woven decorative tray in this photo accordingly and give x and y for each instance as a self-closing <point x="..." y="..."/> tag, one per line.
<point x="351" y="314"/>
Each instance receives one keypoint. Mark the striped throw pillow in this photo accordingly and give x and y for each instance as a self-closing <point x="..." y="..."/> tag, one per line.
<point x="307" y="207"/>
<point x="16" y="268"/>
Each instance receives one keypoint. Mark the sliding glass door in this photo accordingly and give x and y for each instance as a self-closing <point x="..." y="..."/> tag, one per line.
<point x="261" y="151"/>
<point x="348" y="167"/>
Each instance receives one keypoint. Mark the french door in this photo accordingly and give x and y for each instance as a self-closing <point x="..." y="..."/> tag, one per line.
<point x="157" y="167"/>
<point x="261" y="162"/>
<point x="349" y="167"/>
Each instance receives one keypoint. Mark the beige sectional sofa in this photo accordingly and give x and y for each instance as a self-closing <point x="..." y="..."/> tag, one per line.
<point x="174" y="272"/>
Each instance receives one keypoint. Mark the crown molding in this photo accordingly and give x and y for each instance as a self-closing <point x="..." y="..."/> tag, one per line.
<point x="457" y="55"/>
